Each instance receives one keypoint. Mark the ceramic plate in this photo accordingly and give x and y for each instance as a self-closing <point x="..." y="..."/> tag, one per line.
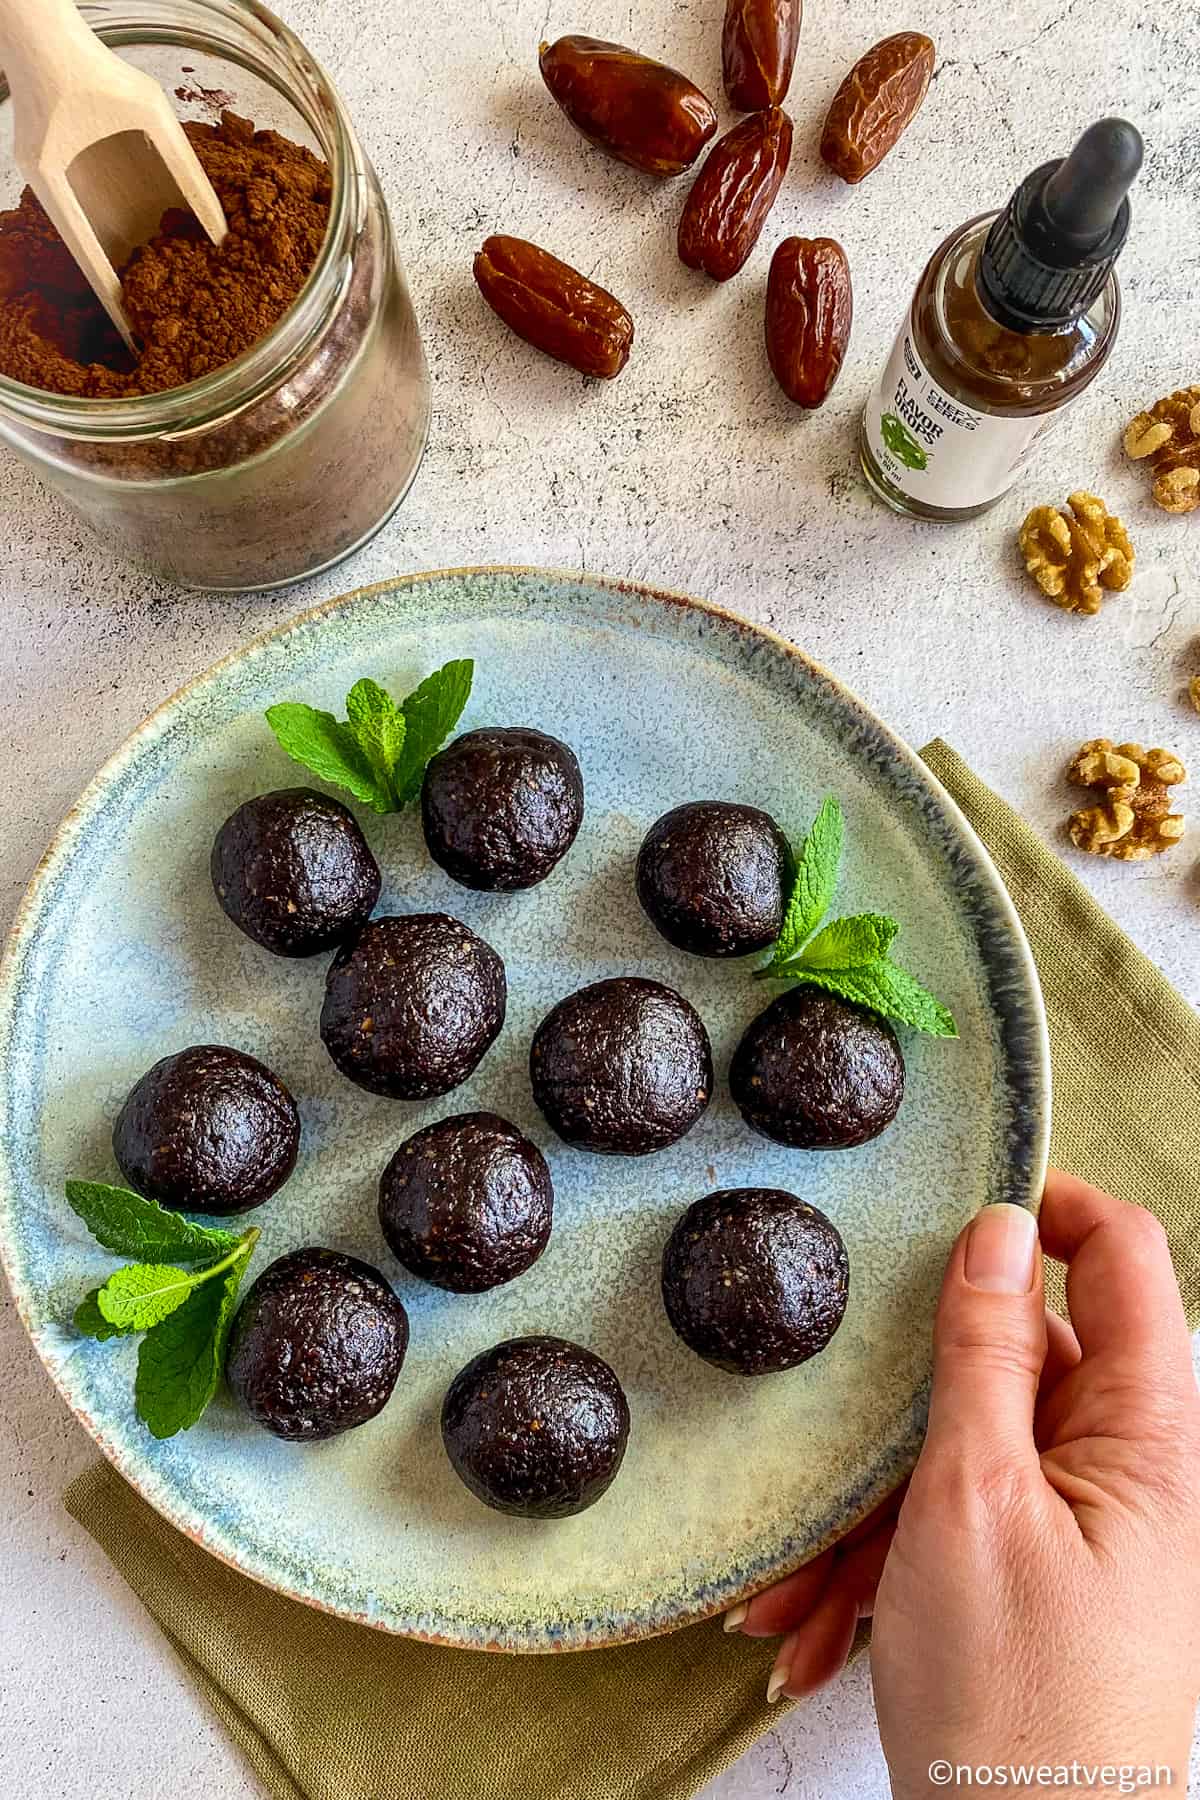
<point x="121" y="955"/>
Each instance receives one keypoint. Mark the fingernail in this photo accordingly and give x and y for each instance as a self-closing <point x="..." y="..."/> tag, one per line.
<point x="735" y="1618"/>
<point x="1001" y="1247"/>
<point x="778" y="1681"/>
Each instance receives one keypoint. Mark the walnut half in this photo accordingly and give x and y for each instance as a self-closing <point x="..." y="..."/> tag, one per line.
<point x="1167" y="439"/>
<point x="1131" y="819"/>
<point x="1073" y="556"/>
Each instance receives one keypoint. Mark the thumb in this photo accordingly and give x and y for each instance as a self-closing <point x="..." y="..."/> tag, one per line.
<point x="989" y="1340"/>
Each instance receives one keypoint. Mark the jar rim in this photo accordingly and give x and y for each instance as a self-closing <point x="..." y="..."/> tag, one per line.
<point x="235" y="384"/>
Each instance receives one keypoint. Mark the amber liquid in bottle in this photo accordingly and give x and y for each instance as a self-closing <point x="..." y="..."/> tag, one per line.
<point x="994" y="372"/>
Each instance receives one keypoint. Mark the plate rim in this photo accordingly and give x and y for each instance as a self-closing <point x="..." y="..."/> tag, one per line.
<point x="612" y="1633"/>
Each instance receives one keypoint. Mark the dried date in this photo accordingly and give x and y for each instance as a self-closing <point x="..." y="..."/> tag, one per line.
<point x="553" y="307"/>
<point x="637" y="110"/>
<point x="810" y="307"/>
<point x="733" y="193"/>
<point x="758" y="51"/>
<point x="876" y="103"/>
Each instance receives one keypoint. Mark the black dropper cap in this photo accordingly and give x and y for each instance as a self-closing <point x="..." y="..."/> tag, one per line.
<point x="1052" y="249"/>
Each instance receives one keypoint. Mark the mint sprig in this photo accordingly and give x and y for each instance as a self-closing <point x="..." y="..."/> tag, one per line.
<point x="850" y="956"/>
<point x="379" y="751"/>
<point x="184" y="1312"/>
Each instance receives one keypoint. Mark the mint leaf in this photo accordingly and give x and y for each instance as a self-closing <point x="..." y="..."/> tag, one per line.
<point x="329" y="749"/>
<point x="849" y="957"/>
<point x="380" y="752"/>
<point x="431" y="712"/>
<point x="816" y="878"/>
<point x="379" y="728"/>
<point x="883" y="987"/>
<point x="129" y="1225"/>
<point x="140" y="1294"/>
<point x="92" y="1323"/>
<point x="849" y="943"/>
<point x="180" y="1361"/>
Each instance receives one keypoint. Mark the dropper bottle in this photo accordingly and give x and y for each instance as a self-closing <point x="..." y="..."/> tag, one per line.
<point x="1015" y="315"/>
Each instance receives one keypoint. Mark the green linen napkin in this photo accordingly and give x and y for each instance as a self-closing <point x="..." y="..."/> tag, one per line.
<point x="328" y="1710"/>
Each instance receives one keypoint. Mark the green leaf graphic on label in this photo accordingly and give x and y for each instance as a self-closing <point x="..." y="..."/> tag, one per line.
<point x="901" y="442"/>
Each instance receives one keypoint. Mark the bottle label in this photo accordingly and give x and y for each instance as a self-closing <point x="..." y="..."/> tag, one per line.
<point x="938" y="449"/>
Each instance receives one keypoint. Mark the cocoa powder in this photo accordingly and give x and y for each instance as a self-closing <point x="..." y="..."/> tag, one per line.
<point x="193" y="306"/>
<point x="259" y="484"/>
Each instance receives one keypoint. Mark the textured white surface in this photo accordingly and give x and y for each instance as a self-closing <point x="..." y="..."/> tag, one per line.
<point x="691" y="471"/>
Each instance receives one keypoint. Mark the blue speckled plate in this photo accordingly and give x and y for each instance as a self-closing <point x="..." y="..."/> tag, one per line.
<point x="121" y="955"/>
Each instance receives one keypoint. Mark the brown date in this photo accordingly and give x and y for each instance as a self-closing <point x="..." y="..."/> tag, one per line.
<point x="734" y="192"/>
<point x="640" y="111"/>
<point x="553" y="307"/>
<point x="809" y="310"/>
<point x="758" y="51"/>
<point x="878" y="100"/>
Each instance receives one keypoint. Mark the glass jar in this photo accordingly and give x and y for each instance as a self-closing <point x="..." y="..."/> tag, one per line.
<point x="292" y="456"/>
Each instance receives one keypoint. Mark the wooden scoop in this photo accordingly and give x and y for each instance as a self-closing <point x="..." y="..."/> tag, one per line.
<point x="98" y="142"/>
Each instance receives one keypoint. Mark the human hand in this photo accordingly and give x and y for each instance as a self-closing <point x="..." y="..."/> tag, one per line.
<point x="1037" y="1598"/>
